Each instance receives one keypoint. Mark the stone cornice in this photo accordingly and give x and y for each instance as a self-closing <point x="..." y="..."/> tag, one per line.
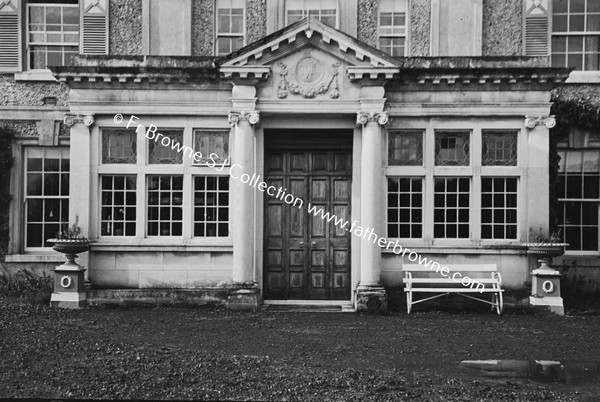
<point x="423" y="77"/>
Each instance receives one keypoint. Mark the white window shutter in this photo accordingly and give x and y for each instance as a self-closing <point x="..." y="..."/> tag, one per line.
<point x="536" y="35"/>
<point x="94" y="27"/>
<point x="10" y="36"/>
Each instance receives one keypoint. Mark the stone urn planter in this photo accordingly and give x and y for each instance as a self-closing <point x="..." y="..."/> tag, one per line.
<point x="70" y="248"/>
<point x="545" y="282"/>
<point x="69" y="289"/>
<point x="545" y="252"/>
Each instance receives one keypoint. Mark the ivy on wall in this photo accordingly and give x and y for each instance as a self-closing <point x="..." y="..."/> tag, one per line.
<point x="574" y="106"/>
<point x="6" y="161"/>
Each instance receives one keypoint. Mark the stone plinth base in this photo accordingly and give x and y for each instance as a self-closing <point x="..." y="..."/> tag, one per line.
<point x="69" y="289"/>
<point x="371" y="299"/>
<point x="545" y="291"/>
<point x="244" y="299"/>
<point x="547" y="304"/>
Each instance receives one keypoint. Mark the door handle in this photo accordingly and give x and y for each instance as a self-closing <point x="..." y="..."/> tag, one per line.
<point x="301" y="244"/>
<point x="314" y="243"/>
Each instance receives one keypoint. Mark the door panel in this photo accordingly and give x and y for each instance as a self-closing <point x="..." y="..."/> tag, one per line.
<point x="306" y="256"/>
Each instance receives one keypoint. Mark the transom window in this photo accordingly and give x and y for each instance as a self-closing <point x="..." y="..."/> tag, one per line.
<point x="214" y="146"/>
<point x="576" y="34"/>
<point x="452" y="148"/>
<point x="46" y="195"/>
<point x="160" y="154"/>
<point x="119" y="146"/>
<point x="230" y="26"/>
<point x="405" y="207"/>
<point x="499" y="148"/>
<point x="392" y="26"/>
<point x="325" y="11"/>
<point x="53" y="34"/>
<point x="405" y="148"/>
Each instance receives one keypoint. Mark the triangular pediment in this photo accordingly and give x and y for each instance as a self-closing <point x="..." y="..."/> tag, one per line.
<point x="257" y="58"/>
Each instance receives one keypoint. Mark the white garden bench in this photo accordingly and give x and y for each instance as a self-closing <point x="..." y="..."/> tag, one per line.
<point x="422" y="279"/>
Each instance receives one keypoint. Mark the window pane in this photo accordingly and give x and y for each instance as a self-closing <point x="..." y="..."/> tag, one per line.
<point x="405" y="211"/>
<point x="46" y="195"/>
<point x="211" y="208"/>
<point x="118" y="206"/>
<point x="451" y="207"/>
<point x="499" y="207"/>
<point x="165" y="199"/>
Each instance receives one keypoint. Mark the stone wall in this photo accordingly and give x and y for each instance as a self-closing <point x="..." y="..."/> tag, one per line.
<point x="420" y="28"/>
<point x="256" y="20"/>
<point x="125" y="27"/>
<point x="367" y="21"/>
<point x="20" y="93"/>
<point x="502" y="28"/>
<point x="203" y="27"/>
<point x="20" y="128"/>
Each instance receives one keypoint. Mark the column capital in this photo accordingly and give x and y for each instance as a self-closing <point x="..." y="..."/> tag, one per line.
<point x="70" y="119"/>
<point x="380" y="118"/>
<point x="532" y="121"/>
<point x="253" y="117"/>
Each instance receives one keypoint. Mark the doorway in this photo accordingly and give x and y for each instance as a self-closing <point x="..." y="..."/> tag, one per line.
<point x="307" y="248"/>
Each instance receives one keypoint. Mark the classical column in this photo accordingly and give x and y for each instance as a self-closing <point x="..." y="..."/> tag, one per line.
<point x="243" y="212"/>
<point x="371" y="295"/>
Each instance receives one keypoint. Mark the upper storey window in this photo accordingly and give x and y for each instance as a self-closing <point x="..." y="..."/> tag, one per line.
<point x="53" y="34"/>
<point x="392" y="26"/>
<point x="576" y="34"/>
<point x="230" y="26"/>
<point x="325" y="11"/>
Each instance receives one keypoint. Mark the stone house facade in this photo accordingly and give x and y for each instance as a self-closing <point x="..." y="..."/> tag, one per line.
<point x="424" y="121"/>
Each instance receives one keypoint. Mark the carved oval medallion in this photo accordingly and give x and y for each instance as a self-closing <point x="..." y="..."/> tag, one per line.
<point x="309" y="70"/>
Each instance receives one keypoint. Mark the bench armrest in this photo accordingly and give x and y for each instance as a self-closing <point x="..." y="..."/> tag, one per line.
<point x="407" y="280"/>
<point x="499" y="277"/>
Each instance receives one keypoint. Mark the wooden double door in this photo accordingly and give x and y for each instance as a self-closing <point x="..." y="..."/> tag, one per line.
<point x="307" y="254"/>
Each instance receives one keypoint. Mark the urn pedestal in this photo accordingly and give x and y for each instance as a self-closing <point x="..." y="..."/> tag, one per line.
<point x="69" y="288"/>
<point x="545" y="289"/>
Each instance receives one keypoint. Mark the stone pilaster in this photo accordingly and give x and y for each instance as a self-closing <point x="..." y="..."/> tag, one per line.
<point x="70" y="278"/>
<point x="370" y="294"/>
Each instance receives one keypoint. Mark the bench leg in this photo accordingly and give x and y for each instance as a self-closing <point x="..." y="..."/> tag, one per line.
<point x="500" y="305"/>
<point x="408" y="302"/>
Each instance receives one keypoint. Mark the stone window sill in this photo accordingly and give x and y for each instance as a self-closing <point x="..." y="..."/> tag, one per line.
<point x="35" y="75"/>
<point x="35" y="258"/>
<point x="584" y="77"/>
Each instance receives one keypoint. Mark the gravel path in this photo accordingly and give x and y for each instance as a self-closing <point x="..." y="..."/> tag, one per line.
<point x="178" y="353"/>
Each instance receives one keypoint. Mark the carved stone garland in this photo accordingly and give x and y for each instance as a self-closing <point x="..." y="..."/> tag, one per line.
<point x="287" y="86"/>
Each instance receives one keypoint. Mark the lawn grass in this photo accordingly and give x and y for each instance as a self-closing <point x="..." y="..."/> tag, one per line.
<point x="185" y="353"/>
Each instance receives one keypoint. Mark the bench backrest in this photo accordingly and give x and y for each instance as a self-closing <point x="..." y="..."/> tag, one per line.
<point x="451" y="268"/>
